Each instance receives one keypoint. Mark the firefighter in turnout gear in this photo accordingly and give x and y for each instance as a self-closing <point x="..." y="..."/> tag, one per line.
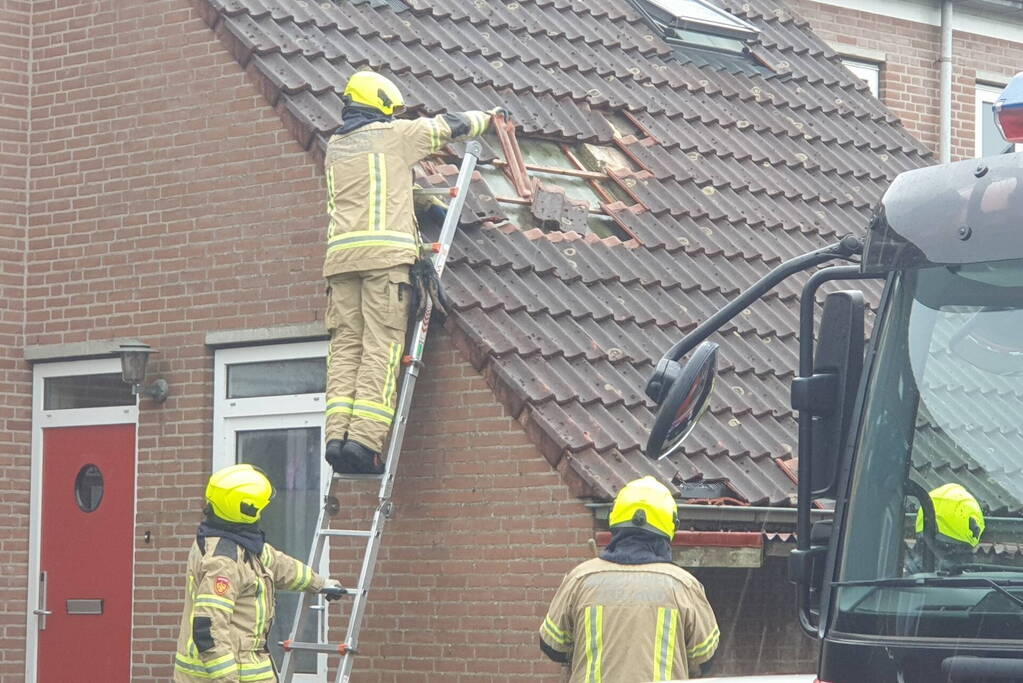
<point x="232" y="576"/>
<point x="631" y="615"/>
<point x="372" y="242"/>
<point x="959" y="524"/>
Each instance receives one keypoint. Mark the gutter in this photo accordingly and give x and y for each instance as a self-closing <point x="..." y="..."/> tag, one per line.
<point x="726" y="516"/>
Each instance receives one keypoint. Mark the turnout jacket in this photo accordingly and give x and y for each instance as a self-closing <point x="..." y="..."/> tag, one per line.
<point x="630" y="623"/>
<point x="229" y="605"/>
<point x="369" y="187"/>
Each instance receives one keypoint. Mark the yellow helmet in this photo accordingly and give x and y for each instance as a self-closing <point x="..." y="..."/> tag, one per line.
<point x="370" y="89"/>
<point x="957" y="515"/>
<point x="239" y="493"/>
<point x="645" y="504"/>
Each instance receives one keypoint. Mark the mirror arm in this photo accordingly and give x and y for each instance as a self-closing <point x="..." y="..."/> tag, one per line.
<point x="843" y="249"/>
<point x="807" y="302"/>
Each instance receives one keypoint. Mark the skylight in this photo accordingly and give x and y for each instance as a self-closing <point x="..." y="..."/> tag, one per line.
<point x="698" y="23"/>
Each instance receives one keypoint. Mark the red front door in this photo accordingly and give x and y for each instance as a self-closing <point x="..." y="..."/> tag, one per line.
<point x="86" y="562"/>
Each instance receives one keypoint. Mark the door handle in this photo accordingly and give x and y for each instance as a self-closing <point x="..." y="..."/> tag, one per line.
<point x="41" y="611"/>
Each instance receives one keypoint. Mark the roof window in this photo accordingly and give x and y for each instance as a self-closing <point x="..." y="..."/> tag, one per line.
<point x="697" y="23"/>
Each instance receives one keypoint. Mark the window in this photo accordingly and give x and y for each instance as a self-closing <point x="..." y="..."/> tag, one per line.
<point x="987" y="139"/>
<point x="697" y="23"/>
<point x="868" y="72"/>
<point x="268" y="411"/>
<point x="526" y="187"/>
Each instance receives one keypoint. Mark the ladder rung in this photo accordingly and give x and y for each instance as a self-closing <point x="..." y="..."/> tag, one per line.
<point x="317" y="647"/>
<point x="363" y="533"/>
<point x="357" y="476"/>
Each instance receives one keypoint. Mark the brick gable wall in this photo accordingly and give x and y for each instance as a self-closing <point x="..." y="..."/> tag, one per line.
<point x="15" y="82"/>
<point x="910" y="75"/>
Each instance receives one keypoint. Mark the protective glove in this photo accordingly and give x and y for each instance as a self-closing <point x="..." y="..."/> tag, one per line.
<point x="426" y="286"/>
<point x="437" y="211"/>
<point x="332" y="590"/>
<point x="500" y="111"/>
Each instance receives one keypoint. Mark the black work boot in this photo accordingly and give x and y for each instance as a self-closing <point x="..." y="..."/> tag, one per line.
<point x="360" y="459"/>
<point x="333" y="454"/>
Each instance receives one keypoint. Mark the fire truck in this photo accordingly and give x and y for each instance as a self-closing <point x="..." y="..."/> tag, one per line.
<point x="899" y="585"/>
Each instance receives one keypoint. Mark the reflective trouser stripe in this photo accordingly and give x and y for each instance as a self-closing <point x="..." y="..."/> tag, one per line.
<point x="594" y="643"/>
<point x="706" y="646"/>
<point x="371" y="410"/>
<point x="195" y="667"/>
<point x="255" y="672"/>
<point x="555" y="633"/>
<point x="664" y="643"/>
<point x="340" y="405"/>
<point x="377" y="191"/>
<point x="393" y="358"/>
<point x="373" y="238"/>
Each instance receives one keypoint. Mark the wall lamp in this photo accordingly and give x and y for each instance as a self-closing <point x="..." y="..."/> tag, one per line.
<point x="134" y="356"/>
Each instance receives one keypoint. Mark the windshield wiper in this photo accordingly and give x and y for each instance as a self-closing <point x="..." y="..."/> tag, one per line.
<point x="953" y="581"/>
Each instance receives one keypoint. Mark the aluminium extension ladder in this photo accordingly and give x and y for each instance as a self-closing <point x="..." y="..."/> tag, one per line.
<point x="413" y="363"/>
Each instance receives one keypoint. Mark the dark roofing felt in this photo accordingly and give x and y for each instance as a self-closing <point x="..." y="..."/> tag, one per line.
<point x="741" y="168"/>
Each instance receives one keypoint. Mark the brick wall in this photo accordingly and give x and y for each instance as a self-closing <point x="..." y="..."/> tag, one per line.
<point x="484" y="531"/>
<point x="15" y="60"/>
<point x="166" y="200"/>
<point x="910" y="74"/>
<point x="756" y="610"/>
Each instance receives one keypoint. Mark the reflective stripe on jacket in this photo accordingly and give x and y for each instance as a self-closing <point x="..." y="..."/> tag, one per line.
<point x="369" y="188"/>
<point x="630" y="623"/>
<point x="229" y="604"/>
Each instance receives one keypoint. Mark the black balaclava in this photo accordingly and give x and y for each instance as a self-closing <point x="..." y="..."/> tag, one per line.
<point x="630" y="545"/>
<point x="248" y="536"/>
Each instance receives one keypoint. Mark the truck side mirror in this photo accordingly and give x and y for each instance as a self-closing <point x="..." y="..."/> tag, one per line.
<point x="827" y="396"/>
<point x="686" y="400"/>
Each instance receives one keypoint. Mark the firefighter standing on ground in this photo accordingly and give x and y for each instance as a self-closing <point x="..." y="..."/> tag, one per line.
<point x="372" y="241"/>
<point x="631" y="615"/>
<point x="232" y="576"/>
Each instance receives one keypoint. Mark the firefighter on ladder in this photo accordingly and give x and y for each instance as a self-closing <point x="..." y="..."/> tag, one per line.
<point x="372" y="244"/>
<point x="232" y="576"/>
<point x="631" y="615"/>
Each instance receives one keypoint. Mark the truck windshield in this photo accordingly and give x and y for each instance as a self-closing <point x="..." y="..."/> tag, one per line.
<point x="933" y="541"/>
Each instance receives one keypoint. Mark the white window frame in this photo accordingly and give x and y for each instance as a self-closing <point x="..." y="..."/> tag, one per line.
<point x="867" y="71"/>
<point x="232" y="415"/>
<point x="69" y="417"/>
<point x="986" y="93"/>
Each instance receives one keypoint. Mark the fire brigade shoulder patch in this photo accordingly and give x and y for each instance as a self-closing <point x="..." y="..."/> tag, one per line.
<point x="221" y="585"/>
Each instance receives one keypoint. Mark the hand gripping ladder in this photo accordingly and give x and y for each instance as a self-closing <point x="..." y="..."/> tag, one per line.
<point x="413" y="362"/>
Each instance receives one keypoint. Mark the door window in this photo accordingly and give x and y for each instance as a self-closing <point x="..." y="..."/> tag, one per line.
<point x="89" y="488"/>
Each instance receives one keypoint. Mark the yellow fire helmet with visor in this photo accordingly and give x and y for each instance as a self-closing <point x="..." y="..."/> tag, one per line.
<point x="372" y="90"/>
<point x="957" y="515"/>
<point x="239" y="493"/>
<point x="645" y="503"/>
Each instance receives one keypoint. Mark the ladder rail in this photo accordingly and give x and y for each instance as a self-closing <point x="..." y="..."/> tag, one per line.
<point x="394" y="447"/>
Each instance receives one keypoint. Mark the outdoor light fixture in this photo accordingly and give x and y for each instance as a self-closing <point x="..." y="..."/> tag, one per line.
<point x="1009" y="110"/>
<point x="134" y="356"/>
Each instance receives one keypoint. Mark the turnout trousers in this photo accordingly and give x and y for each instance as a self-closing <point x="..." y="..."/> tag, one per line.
<point x="367" y="317"/>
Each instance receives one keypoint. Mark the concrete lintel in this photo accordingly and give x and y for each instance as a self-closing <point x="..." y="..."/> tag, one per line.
<point x="734" y="558"/>
<point x="861" y="53"/>
<point x="41" y="353"/>
<point x="267" y="335"/>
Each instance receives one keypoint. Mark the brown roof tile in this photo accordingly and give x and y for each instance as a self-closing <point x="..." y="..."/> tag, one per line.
<point x="745" y="167"/>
